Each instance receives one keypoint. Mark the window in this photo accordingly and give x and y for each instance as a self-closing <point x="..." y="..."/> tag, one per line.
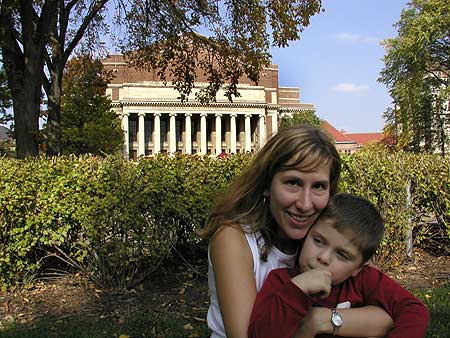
<point x="148" y="125"/>
<point x="194" y="130"/>
<point x="178" y="130"/>
<point x="163" y="130"/>
<point x="132" y="131"/>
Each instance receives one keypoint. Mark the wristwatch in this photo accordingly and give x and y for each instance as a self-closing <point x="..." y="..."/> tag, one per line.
<point x="336" y="320"/>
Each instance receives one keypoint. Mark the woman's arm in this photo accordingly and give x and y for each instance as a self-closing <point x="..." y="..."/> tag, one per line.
<point x="232" y="262"/>
<point x="358" y="322"/>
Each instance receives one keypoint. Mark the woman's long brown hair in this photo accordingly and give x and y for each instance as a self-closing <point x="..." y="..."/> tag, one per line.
<point x="300" y="147"/>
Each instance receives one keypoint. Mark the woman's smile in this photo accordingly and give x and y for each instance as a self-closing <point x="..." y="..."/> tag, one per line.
<point x="296" y="199"/>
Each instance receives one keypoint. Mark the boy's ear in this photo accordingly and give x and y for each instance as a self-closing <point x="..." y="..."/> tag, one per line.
<point x="358" y="270"/>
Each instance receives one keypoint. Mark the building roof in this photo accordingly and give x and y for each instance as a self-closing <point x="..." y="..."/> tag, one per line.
<point x="338" y="136"/>
<point x="4" y="133"/>
<point x="365" y="138"/>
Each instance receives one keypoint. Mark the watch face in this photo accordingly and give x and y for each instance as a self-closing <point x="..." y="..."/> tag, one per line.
<point x="337" y="319"/>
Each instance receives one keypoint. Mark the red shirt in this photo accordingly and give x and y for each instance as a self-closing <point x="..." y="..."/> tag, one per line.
<point x="280" y="305"/>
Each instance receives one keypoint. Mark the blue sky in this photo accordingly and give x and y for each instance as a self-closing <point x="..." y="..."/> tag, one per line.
<point x="337" y="62"/>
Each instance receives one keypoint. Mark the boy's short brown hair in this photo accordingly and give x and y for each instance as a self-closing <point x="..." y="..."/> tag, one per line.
<point x="357" y="217"/>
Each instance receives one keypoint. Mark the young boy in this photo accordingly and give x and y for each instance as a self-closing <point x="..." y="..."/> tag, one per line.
<point x="334" y="275"/>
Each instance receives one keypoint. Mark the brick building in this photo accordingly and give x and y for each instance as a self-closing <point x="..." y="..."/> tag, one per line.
<point x="154" y="120"/>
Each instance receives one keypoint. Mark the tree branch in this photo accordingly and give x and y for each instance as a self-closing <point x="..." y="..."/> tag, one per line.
<point x="93" y="11"/>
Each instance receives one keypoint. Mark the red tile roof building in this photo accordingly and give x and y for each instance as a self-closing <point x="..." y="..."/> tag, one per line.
<point x="350" y="143"/>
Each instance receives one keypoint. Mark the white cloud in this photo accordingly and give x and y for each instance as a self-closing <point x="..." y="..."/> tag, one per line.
<point x="349" y="37"/>
<point x="350" y="88"/>
<point x="371" y="39"/>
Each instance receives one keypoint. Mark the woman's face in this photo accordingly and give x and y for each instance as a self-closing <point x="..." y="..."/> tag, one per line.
<point x="296" y="200"/>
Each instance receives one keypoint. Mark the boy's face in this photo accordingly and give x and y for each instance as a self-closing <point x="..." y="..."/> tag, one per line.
<point x="327" y="248"/>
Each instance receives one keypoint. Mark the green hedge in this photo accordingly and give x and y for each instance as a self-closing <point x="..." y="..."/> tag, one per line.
<point x="117" y="221"/>
<point x="387" y="179"/>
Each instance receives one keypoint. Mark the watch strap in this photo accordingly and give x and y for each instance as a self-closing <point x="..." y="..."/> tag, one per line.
<point x="335" y="315"/>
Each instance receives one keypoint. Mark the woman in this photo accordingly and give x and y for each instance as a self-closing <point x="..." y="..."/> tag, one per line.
<point x="257" y="224"/>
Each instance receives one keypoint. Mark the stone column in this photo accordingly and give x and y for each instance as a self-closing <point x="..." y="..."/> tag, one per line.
<point x="173" y="135"/>
<point x="218" y="134"/>
<point x="248" y="133"/>
<point x="187" y="134"/>
<point x="274" y="122"/>
<point x="262" y="130"/>
<point x="126" y="143"/>
<point x="233" y="133"/>
<point x="203" y="145"/>
<point x="157" y="134"/>
<point x="141" y="135"/>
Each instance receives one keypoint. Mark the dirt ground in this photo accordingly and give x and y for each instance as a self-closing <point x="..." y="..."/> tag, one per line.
<point x="180" y="291"/>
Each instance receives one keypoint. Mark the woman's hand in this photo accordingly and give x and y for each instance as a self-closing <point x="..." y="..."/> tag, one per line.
<point x="358" y="322"/>
<point x="317" y="321"/>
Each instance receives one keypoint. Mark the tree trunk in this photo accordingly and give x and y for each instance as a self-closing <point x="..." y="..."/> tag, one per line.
<point x="54" y="112"/>
<point x="24" y="80"/>
<point x="26" y="105"/>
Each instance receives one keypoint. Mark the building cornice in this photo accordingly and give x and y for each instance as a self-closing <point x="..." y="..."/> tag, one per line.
<point x="145" y="103"/>
<point x="212" y="105"/>
<point x="297" y="109"/>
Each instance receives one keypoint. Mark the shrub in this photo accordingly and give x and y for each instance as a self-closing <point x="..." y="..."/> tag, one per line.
<point x="408" y="189"/>
<point x="118" y="220"/>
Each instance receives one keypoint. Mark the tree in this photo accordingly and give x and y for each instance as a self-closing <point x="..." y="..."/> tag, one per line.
<point x="417" y="73"/>
<point x="302" y="117"/>
<point x="5" y="98"/>
<point x="37" y="38"/>
<point x="88" y="125"/>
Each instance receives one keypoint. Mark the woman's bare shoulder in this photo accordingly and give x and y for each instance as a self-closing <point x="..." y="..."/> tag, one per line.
<point x="230" y="241"/>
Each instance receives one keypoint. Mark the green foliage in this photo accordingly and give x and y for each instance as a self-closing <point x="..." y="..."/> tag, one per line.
<point x="116" y="221"/>
<point x="127" y="233"/>
<point x="416" y="72"/>
<point x="88" y="124"/>
<point x="383" y="178"/>
<point x="41" y="205"/>
<point x="303" y="117"/>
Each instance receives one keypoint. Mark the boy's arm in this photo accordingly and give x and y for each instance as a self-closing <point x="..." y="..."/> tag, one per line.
<point x="411" y="317"/>
<point x="279" y="307"/>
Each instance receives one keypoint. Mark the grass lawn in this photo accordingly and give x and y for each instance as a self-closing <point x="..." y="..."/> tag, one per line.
<point x="145" y="324"/>
<point x="142" y="324"/>
<point x="438" y="303"/>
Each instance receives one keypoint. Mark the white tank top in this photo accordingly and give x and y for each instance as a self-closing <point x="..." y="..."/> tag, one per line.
<point x="275" y="259"/>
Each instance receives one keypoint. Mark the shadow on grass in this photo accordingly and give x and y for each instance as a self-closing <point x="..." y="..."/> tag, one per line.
<point x="142" y="324"/>
<point x="145" y="323"/>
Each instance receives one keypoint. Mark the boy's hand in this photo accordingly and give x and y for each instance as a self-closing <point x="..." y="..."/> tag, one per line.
<point x="315" y="282"/>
